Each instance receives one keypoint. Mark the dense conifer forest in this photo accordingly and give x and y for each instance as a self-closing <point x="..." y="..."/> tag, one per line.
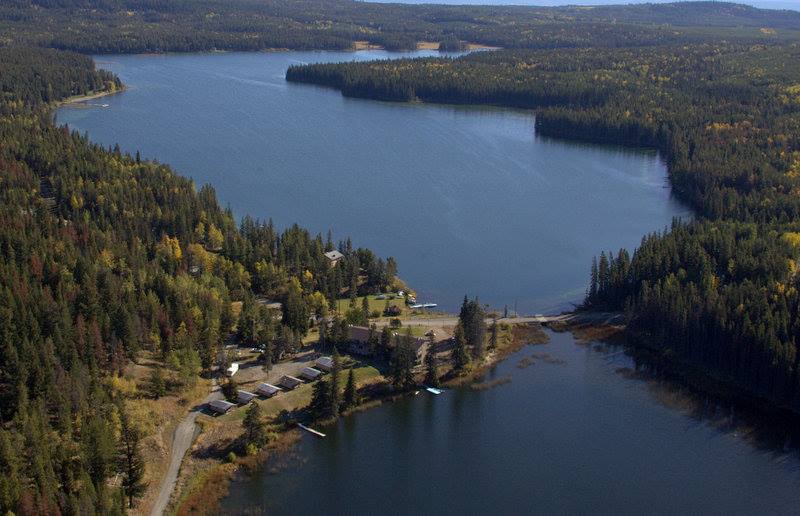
<point x="131" y="26"/>
<point x="719" y="292"/>
<point x="103" y="257"/>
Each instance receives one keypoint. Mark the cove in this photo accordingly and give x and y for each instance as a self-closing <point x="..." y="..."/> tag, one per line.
<point x="468" y="200"/>
<point x="583" y="430"/>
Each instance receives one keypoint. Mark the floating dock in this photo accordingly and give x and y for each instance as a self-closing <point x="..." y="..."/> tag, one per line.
<point x="310" y="430"/>
<point x="424" y="305"/>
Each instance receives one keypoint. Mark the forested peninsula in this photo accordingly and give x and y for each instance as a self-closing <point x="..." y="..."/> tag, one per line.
<point x="720" y="292"/>
<point x="104" y="256"/>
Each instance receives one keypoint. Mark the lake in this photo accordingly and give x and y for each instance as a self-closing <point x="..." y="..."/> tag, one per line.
<point x="577" y="432"/>
<point x="468" y="200"/>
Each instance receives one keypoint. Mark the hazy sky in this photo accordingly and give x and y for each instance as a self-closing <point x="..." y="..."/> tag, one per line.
<point x="767" y="4"/>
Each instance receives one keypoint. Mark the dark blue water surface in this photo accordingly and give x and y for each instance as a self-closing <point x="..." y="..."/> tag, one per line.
<point x="578" y="432"/>
<point x="468" y="200"/>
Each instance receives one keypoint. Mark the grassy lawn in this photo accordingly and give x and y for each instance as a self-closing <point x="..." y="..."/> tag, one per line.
<point x="342" y="305"/>
<point x="299" y="397"/>
<point x="416" y="330"/>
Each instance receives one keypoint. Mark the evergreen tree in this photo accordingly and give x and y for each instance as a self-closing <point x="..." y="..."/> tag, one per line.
<point x="295" y="309"/>
<point x="254" y="427"/>
<point x="401" y="365"/>
<point x="460" y="357"/>
<point x="157" y="385"/>
<point x="350" y="391"/>
<point x="320" y="405"/>
<point x="229" y="389"/>
<point x="336" y="395"/>
<point x="431" y="370"/>
<point x="365" y="307"/>
<point x="130" y="463"/>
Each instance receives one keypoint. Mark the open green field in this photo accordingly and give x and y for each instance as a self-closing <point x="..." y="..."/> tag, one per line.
<point x="342" y="305"/>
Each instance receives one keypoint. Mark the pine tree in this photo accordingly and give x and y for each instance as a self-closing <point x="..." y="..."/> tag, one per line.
<point x="130" y="463"/>
<point x="229" y="390"/>
<point x="253" y="423"/>
<point x="401" y="365"/>
<point x="320" y="405"/>
<point x="493" y="334"/>
<point x="157" y="386"/>
<point x="336" y="395"/>
<point x="460" y="357"/>
<point x="350" y="391"/>
<point x="431" y="371"/>
<point x="365" y="307"/>
<point x="373" y="340"/>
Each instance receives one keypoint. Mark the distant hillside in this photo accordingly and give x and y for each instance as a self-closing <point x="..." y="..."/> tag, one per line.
<point x="134" y="26"/>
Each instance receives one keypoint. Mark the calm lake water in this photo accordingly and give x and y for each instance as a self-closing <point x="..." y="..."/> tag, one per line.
<point x="578" y="432"/>
<point x="468" y="200"/>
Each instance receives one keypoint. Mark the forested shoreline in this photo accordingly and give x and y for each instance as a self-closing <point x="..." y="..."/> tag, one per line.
<point x="719" y="293"/>
<point x="103" y="257"/>
<point x="139" y="26"/>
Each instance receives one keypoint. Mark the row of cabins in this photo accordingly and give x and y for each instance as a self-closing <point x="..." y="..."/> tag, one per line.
<point x="266" y="390"/>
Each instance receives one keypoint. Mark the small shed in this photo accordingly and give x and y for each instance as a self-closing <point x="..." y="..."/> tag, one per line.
<point x="310" y="374"/>
<point x="334" y="257"/>
<point x="267" y="390"/>
<point x="230" y="371"/>
<point x="324" y="363"/>
<point x="289" y="382"/>
<point x="220" y="406"/>
<point x="244" y="397"/>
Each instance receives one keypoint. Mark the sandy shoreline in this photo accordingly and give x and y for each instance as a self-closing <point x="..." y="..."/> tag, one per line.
<point x="77" y="99"/>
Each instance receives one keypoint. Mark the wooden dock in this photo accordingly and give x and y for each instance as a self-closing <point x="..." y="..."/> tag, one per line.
<point x="310" y="430"/>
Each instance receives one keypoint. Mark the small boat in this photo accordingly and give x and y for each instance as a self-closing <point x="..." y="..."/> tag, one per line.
<point x="310" y="430"/>
<point x="434" y="390"/>
<point x="416" y="393"/>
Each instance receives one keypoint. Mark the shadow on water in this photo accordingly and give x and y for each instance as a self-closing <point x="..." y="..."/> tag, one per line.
<point x="768" y="430"/>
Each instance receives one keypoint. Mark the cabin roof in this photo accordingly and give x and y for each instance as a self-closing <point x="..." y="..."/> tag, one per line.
<point x="310" y="372"/>
<point x="334" y="255"/>
<point x="290" y="380"/>
<point x="358" y="333"/>
<point x="324" y="361"/>
<point x="220" y="405"/>
<point x="267" y="388"/>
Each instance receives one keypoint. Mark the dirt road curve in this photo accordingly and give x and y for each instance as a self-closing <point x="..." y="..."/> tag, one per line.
<point x="181" y="442"/>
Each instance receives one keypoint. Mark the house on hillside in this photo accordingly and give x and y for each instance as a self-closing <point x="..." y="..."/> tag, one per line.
<point x="358" y="337"/>
<point x="334" y="257"/>
<point x="220" y="406"/>
<point x="310" y="374"/>
<point x="289" y="382"/>
<point x="232" y="370"/>
<point x="267" y="390"/>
